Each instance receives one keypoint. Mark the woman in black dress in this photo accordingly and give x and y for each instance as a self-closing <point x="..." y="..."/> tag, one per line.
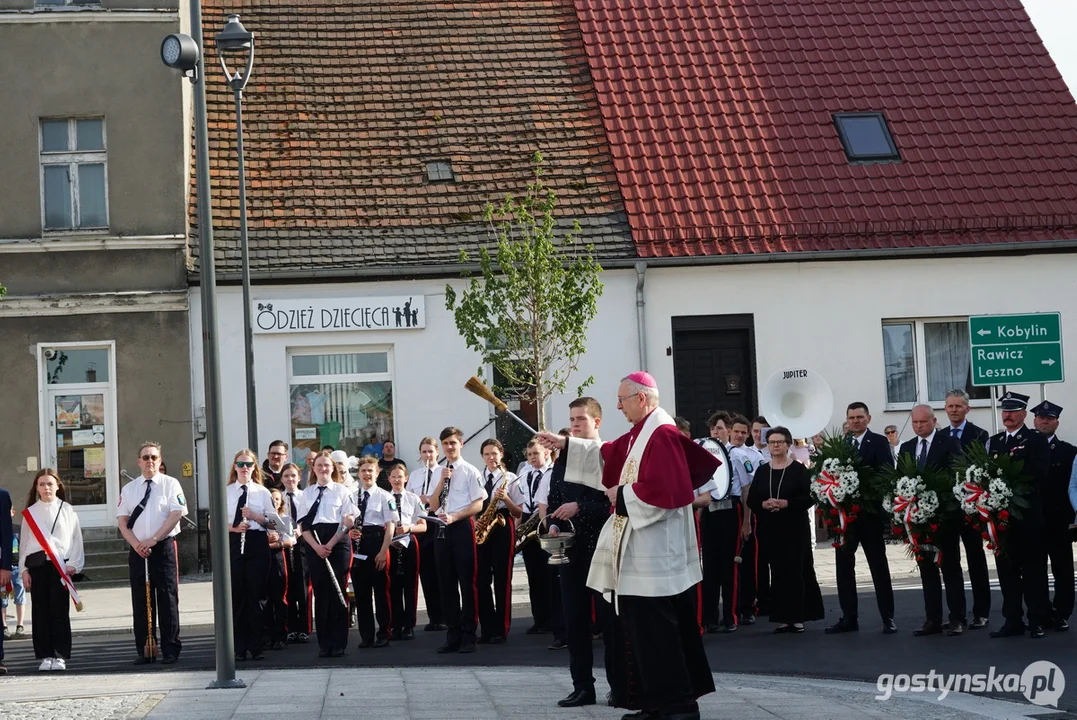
<point x="780" y="498"/>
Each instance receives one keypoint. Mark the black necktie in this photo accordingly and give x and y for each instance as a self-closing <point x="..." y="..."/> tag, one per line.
<point x="426" y="485"/>
<point x="308" y="519"/>
<point x="238" y="517"/>
<point x="535" y="475"/>
<point x="490" y="484"/>
<point x="141" y="506"/>
<point x="291" y="504"/>
<point x="923" y="453"/>
<point x="362" y="507"/>
<point x="399" y="516"/>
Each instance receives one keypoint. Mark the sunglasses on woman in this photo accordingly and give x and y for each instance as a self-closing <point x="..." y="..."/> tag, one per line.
<point x="242" y="464"/>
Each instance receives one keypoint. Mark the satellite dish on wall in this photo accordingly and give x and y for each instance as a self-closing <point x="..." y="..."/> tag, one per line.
<point x="798" y="398"/>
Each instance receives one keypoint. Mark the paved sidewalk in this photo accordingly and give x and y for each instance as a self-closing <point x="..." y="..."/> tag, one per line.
<point x="507" y="693"/>
<point x="108" y="610"/>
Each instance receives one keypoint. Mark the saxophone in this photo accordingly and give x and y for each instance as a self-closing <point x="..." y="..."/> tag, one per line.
<point x="490" y="517"/>
<point x="527" y="531"/>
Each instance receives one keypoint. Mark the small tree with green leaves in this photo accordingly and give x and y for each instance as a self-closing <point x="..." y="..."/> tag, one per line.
<point x="3" y="292"/>
<point x="528" y="311"/>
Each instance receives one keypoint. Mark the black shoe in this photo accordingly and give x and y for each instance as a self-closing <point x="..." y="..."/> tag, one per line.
<point x="407" y="634"/>
<point x="796" y="629"/>
<point x="929" y="628"/>
<point x="690" y="715"/>
<point x="441" y="627"/>
<point x="747" y="619"/>
<point x="279" y="645"/>
<point x="578" y="698"/>
<point x="1008" y="630"/>
<point x="889" y="627"/>
<point x="609" y="698"/>
<point x="381" y="642"/>
<point x="323" y="653"/>
<point x="843" y="626"/>
<point x="467" y="646"/>
<point x="1062" y="625"/>
<point x="3" y="670"/>
<point x="783" y="629"/>
<point x="483" y="640"/>
<point x="241" y="657"/>
<point x="1036" y="631"/>
<point x="339" y="652"/>
<point x="171" y="660"/>
<point x="978" y="623"/>
<point x="641" y="715"/>
<point x="365" y="644"/>
<point x="558" y="644"/>
<point x="714" y="629"/>
<point x="256" y="655"/>
<point x="497" y="640"/>
<point x="535" y="630"/>
<point x="730" y="628"/>
<point x="956" y="628"/>
<point x="430" y="627"/>
<point x="143" y="660"/>
<point x="449" y="647"/>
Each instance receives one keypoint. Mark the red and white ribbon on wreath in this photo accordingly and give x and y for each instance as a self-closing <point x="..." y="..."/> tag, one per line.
<point x="977" y="496"/>
<point x="829" y="482"/>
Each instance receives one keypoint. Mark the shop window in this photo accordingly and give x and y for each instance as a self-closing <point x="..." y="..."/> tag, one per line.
<point x="340" y="399"/>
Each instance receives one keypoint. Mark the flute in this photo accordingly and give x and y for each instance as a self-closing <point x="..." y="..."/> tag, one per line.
<point x="333" y="575"/>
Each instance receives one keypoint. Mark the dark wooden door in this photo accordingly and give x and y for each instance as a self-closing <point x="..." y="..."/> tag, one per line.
<point x="713" y="370"/>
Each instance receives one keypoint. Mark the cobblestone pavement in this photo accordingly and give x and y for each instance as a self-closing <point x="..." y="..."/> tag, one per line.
<point x="455" y="694"/>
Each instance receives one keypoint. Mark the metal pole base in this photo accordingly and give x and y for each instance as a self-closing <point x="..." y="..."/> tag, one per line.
<point x="233" y="684"/>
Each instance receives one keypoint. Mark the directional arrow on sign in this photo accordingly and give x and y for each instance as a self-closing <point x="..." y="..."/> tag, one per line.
<point x="983" y="332"/>
<point x="1048" y="361"/>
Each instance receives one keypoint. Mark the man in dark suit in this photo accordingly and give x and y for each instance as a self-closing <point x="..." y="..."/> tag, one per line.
<point x="1022" y="572"/>
<point x="934" y="449"/>
<point x="867" y="531"/>
<point x="957" y="407"/>
<point x="1058" y="513"/>
<point x="6" y="541"/>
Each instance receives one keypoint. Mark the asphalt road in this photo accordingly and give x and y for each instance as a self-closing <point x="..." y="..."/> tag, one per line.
<point x="859" y="656"/>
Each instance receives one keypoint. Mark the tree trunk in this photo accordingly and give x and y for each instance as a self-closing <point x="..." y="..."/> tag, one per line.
<point x="540" y="403"/>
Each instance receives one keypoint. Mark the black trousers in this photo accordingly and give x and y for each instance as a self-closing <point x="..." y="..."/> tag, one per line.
<point x="369" y="584"/>
<point x="718" y="533"/>
<point x="976" y="561"/>
<point x="250" y="588"/>
<point x="950" y="573"/>
<point x="276" y="614"/>
<point x="753" y="573"/>
<point x="50" y="612"/>
<point x="495" y="558"/>
<point x="456" y="573"/>
<point x="330" y="616"/>
<point x="1060" y="553"/>
<point x="577" y="600"/>
<point x="538" y="581"/>
<point x="1022" y="574"/>
<point x="868" y="534"/>
<point x="404" y="584"/>
<point x="428" y="575"/>
<point x="664" y="640"/>
<point x="299" y="590"/>
<point x="164" y="596"/>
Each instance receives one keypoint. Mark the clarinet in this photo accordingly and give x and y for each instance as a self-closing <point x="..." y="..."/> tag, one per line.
<point x="399" y="548"/>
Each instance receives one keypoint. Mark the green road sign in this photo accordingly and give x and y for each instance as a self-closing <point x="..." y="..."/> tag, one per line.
<point x="1016" y="349"/>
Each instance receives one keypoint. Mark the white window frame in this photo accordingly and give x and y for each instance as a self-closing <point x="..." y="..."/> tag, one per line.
<point x="293" y="379"/>
<point x="38" y="5"/>
<point x="72" y="159"/>
<point x="111" y="391"/>
<point x="919" y="344"/>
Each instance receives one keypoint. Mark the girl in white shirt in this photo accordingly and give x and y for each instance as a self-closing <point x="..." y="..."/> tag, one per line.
<point x="248" y="504"/>
<point x="50" y="603"/>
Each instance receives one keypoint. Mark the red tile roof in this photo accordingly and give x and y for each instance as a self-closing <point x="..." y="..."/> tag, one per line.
<point x="350" y="98"/>
<point x="720" y="120"/>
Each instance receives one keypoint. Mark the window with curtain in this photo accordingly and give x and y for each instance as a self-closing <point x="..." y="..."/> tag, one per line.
<point x="925" y="359"/>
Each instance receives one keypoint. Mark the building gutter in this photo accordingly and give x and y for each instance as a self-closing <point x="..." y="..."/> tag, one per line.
<point x="454" y="270"/>
<point x="641" y="328"/>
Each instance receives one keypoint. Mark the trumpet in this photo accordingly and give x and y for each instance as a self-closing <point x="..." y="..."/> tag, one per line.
<point x="527" y="531"/>
<point x="490" y="518"/>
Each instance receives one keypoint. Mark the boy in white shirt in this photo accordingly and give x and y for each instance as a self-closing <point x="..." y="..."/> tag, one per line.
<point x="531" y="491"/>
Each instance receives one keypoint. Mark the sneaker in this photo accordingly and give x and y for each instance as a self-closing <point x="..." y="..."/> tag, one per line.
<point x="20" y="631"/>
<point x="46" y="665"/>
<point x="7" y="633"/>
<point x="59" y="664"/>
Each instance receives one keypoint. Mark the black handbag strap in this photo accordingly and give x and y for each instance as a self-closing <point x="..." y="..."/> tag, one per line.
<point x="53" y="529"/>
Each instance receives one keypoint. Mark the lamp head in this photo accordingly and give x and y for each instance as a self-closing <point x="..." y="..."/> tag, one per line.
<point x="180" y="52"/>
<point x="236" y="40"/>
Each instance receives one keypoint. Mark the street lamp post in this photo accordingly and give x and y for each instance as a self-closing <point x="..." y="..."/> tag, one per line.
<point x="235" y="40"/>
<point x="182" y="52"/>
